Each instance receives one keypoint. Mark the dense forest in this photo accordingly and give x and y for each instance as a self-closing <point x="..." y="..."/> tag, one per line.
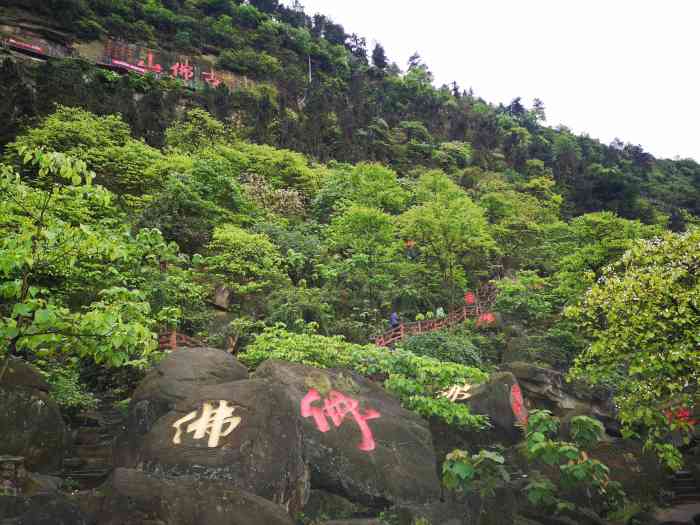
<point x="291" y="218"/>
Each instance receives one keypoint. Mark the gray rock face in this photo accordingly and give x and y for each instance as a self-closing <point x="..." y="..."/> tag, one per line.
<point x="30" y="421"/>
<point x="179" y="376"/>
<point x="262" y="453"/>
<point x="173" y="426"/>
<point x="289" y="429"/>
<point x="357" y="440"/>
<point x="40" y="510"/>
<point x="184" y="371"/>
<point x="501" y="399"/>
<point x="546" y="388"/>
<point x="137" y="498"/>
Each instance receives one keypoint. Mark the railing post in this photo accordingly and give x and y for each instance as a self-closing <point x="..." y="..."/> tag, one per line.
<point x="173" y="339"/>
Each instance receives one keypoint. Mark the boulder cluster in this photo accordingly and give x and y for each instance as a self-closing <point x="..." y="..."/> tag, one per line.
<point x="207" y="442"/>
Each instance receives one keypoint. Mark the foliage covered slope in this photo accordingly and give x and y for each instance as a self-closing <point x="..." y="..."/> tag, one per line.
<point x="323" y="204"/>
<point x="359" y="106"/>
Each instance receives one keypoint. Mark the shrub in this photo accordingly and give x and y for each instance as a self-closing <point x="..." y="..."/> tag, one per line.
<point x="455" y="347"/>
<point x="415" y="380"/>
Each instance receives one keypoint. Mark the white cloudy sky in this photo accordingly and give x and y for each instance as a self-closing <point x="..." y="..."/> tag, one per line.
<point x="625" y="68"/>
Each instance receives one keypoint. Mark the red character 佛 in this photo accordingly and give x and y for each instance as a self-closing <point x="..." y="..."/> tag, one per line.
<point x="338" y="406"/>
<point x="517" y="403"/>
<point x="182" y="70"/>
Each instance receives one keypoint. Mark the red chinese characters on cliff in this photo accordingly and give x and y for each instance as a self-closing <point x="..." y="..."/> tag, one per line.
<point x="517" y="403"/>
<point x="337" y="406"/>
<point x="182" y="70"/>
<point x="150" y="64"/>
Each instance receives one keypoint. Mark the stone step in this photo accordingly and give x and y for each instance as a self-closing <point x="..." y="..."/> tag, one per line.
<point x="69" y="463"/>
<point x="91" y="474"/>
<point x="682" y="474"/>
<point x="99" y="450"/>
<point x="693" y="489"/>
<point x="679" y="499"/>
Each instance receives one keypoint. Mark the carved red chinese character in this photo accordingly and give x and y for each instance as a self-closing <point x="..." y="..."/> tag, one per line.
<point x="337" y="406"/>
<point x="182" y="70"/>
<point x="517" y="403"/>
<point x="211" y="78"/>
<point x="150" y="66"/>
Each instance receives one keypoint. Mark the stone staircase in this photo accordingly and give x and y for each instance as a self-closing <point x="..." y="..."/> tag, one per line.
<point x="89" y="460"/>
<point x="685" y="488"/>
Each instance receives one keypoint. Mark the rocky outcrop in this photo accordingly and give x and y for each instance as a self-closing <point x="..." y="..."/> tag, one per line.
<point x="545" y="388"/>
<point x="45" y="509"/>
<point x="502" y="401"/>
<point x="258" y="448"/>
<point x="357" y="439"/>
<point x="288" y="430"/>
<point x="31" y="425"/>
<point x="182" y="372"/>
<point x="176" y="378"/>
<point x="137" y="498"/>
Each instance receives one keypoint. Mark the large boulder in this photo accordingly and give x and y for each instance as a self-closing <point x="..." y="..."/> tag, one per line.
<point x="289" y="429"/>
<point x="177" y="377"/>
<point x="137" y="498"/>
<point x="258" y="448"/>
<point x="31" y="425"/>
<point x="182" y="372"/>
<point x="197" y="415"/>
<point x="502" y="401"/>
<point x="357" y="439"/>
<point x="547" y="389"/>
<point x="45" y="509"/>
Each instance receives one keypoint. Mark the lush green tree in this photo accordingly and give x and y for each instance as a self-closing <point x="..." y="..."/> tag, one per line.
<point x="379" y="59"/>
<point x="247" y="263"/>
<point x="519" y="214"/>
<point x="451" y="235"/>
<point x="283" y="169"/>
<point x="581" y="249"/>
<point x="363" y="245"/>
<point x="183" y="216"/>
<point x="435" y="184"/>
<point x="196" y="130"/>
<point x="45" y="248"/>
<point x="371" y="185"/>
<point x="299" y="307"/>
<point x="642" y="317"/>
<point x="256" y="64"/>
<point x="525" y="297"/>
<point x="119" y="162"/>
<point x="453" y="346"/>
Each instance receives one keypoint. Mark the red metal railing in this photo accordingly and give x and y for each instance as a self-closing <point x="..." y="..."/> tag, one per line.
<point x="480" y="310"/>
<point x="454" y="318"/>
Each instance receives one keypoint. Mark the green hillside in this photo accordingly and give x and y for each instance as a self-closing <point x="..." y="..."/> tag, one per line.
<point x="290" y="219"/>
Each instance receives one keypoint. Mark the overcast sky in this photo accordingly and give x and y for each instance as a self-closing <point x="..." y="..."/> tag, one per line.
<point x="609" y="68"/>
